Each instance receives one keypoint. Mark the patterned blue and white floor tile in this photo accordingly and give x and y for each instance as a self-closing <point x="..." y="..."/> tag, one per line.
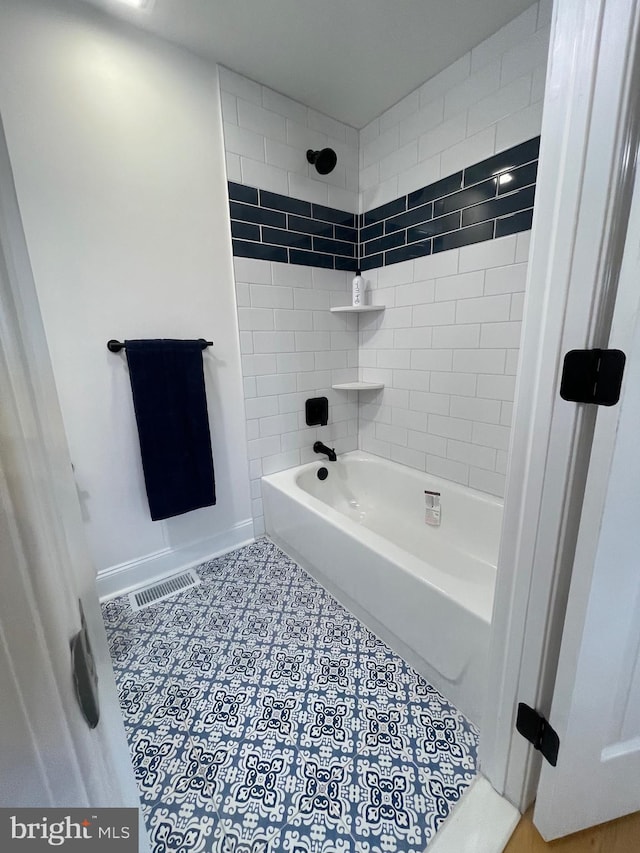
<point x="263" y="717"/>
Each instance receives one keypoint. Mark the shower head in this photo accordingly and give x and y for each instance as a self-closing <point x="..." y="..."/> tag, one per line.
<point x="324" y="161"/>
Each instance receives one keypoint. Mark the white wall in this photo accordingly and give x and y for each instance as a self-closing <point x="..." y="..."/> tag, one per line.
<point x="292" y="346"/>
<point x="447" y="345"/>
<point x="116" y="145"/>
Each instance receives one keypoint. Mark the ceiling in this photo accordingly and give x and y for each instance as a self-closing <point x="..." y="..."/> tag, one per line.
<point x="350" y="59"/>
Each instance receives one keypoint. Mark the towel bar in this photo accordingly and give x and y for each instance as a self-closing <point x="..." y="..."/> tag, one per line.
<point x="116" y="346"/>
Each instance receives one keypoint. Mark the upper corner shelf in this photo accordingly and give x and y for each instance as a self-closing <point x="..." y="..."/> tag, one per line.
<point x="357" y="309"/>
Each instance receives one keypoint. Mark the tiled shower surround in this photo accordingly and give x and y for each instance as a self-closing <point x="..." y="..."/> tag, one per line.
<point x="446" y="346"/>
<point x="292" y="346"/>
<point x="486" y="200"/>
<point x="263" y="717"/>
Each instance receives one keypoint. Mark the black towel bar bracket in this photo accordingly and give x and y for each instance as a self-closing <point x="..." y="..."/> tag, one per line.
<point x="116" y="346"/>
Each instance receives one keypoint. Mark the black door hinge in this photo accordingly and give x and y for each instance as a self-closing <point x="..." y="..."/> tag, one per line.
<point x="592" y="376"/>
<point x="534" y="728"/>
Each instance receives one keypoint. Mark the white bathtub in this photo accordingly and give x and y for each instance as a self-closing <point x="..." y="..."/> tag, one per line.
<point x="427" y="591"/>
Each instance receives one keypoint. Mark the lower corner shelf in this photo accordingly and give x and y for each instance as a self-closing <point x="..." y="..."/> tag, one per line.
<point x="358" y="386"/>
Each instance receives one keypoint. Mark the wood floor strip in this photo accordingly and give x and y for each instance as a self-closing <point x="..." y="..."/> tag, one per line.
<point x="617" y="836"/>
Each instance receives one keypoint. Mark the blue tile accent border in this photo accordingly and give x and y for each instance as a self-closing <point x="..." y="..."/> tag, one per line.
<point x="487" y="200"/>
<point x="280" y="228"/>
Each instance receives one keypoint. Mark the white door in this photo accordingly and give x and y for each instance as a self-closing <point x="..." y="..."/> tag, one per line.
<point x="596" y="701"/>
<point x="49" y="756"/>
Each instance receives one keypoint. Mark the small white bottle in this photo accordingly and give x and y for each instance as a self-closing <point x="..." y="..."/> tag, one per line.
<point x="357" y="290"/>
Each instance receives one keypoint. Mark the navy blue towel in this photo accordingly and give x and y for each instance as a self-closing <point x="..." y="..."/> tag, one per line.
<point x="167" y="381"/>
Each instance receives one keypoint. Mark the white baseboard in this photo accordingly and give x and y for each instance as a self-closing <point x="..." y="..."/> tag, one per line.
<point x="482" y="822"/>
<point x="126" y="577"/>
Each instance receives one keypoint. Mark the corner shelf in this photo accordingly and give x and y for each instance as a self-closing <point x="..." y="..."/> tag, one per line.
<point x="356" y="309"/>
<point x="358" y="386"/>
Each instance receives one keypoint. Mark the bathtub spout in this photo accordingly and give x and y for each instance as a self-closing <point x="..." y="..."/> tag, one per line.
<point x="319" y="447"/>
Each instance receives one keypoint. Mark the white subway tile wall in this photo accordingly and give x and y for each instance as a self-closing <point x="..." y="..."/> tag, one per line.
<point x="314" y="350"/>
<point x="488" y="100"/>
<point x="447" y="345"/>
<point x="448" y="360"/>
<point x="266" y="139"/>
